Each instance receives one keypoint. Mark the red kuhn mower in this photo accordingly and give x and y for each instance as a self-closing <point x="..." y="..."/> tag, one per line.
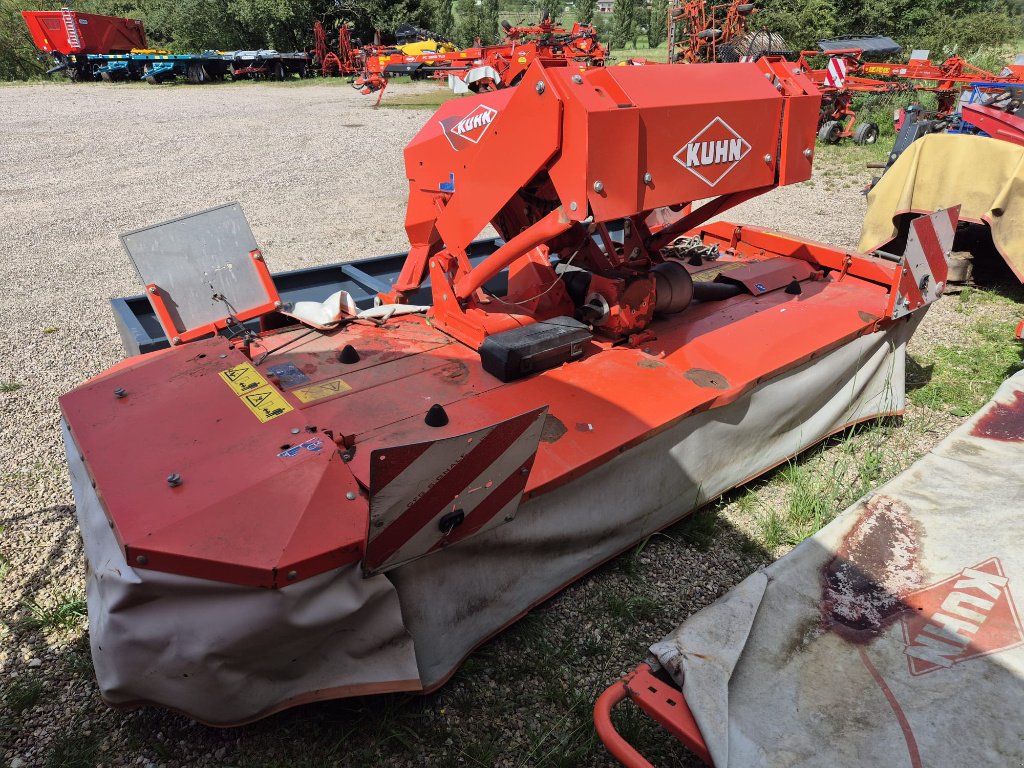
<point x="340" y="481"/>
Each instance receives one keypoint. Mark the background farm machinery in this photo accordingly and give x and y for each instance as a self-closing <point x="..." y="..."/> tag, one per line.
<point x="847" y="72"/>
<point x="488" y="67"/>
<point x="69" y="38"/>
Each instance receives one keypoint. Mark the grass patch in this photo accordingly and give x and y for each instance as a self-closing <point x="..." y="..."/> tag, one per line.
<point x="628" y="609"/>
<point x="21" y="695"/>
<point x="961" y="379"/>
<point x="6" y="387"/>
<point x="73" y="750"/>
<point x="66" y="612"/>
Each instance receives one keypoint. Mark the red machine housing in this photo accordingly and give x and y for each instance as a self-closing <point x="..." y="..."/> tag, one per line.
<point x="68" y="32"/>
<point x="572" y="158"/>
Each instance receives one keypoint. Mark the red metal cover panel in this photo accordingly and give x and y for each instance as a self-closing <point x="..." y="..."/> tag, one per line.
<point x="264" y="498"/>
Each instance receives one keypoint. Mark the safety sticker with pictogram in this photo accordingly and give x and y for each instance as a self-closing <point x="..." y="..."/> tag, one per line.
<point x="319" y="391"/>
<point x="242" y="378"/>
<point x="262" y="399"/>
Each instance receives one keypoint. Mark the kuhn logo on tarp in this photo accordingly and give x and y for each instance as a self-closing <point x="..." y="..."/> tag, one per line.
<point x="471" y="128"/>
<point x="713" y="152"/>
<point x="968" y="615"/>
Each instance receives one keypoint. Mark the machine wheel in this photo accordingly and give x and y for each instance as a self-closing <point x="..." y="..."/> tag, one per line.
<point x="278" y="71"/>
<point x="197" y="73"/>
<point x="830" y="132"/>
<point x="105" y="77"/>
<point x="866" y="133"/>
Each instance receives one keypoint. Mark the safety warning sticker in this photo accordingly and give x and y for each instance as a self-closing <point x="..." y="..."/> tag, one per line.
<point x="242" y="378"/>
<point x="261" y="398"/>
<point x="321" y="390"/>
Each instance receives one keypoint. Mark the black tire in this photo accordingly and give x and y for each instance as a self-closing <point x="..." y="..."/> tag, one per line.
<point x="278" y="71"/>
<point x="830" y="132"/>
<point x="866" y="133"/>
<point x="745" y="9"/>
<point x="197" y="73"/>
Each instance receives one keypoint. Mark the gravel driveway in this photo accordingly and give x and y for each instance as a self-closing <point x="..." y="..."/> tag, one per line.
<point x="319" y="173"/>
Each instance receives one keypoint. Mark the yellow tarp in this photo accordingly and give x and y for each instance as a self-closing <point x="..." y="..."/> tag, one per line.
<point x="984" y="176"/>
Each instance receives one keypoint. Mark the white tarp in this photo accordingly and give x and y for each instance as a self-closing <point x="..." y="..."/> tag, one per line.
<point x="892" y="637"/>
<point x="228" y="654"/>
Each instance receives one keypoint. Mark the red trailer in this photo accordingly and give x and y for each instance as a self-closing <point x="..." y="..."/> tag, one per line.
<point x="70" y="36"/>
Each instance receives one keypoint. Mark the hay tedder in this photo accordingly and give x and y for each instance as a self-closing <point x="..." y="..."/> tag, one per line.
<point x="340" y="481"/>
<point x="485" y="67"/>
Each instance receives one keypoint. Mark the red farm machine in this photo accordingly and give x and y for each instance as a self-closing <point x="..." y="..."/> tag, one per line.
<point x="699" y="31"/>
<point x="487" y="67"/>
<point x="343" y="480"/>
<point x="844" y="70"/>
<point x="70" y="37"/>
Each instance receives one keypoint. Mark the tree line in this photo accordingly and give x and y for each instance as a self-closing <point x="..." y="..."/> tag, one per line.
<point x="193" y="25"/>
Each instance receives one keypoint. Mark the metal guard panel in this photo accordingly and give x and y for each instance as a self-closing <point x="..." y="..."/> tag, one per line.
<point x="263" y="500"/>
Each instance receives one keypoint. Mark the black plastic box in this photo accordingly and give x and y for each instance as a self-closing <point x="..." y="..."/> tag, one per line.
<point x="517" y="353"/>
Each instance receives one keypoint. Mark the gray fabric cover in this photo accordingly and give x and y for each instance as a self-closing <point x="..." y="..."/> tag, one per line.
<point x="881" y="615"/>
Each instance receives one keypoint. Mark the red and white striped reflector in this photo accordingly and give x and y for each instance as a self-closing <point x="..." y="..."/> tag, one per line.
<point x="835" y="72"/>
<point x="924" y="268"/>
<point x="426" y="496"/>
<point x="746" y="59"/>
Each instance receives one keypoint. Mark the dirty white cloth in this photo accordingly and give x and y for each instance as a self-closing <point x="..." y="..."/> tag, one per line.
<point x="892" y="637"/>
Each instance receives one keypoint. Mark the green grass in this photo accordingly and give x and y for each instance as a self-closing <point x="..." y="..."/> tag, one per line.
<point x="73" y="749"/>
<point x="17" y="697"/>
<point x="6" y="387"/>
<point x="20" y="695"/>
<point x="66" y="612"/>
<point x="960" y="379"/>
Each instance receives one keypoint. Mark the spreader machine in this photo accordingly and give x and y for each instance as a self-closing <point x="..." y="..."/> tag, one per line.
<point x="344" y="489"/>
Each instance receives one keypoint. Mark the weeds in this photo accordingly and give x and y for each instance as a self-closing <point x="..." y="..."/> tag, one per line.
<point x="22" y="695"/>
<point x="6" y="387"/>
<point x="73" y="750"/>
<point x="66" y="612"/>
<point x="963" y="378"/>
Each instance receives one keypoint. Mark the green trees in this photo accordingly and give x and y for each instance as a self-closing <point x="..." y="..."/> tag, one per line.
<point x="943" y="26"/>
<point x="624" y="23"/>
<point x="585" y="11"/>
<point x="17" y="54"/>
<point x="657" y="25"/>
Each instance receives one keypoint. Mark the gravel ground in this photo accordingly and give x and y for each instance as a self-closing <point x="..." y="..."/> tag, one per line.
<point x="319" y="174"/>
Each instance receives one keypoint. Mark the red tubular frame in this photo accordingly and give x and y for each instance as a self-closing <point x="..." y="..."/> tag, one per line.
<point x="661" y="702"/>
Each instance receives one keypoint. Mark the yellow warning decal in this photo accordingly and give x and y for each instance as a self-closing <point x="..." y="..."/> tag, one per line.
<point x="266" y="402"/>
<point x="242" y="378"/>
<point x="321" y="390"/>
<point x="711" y="274"/>
<point x="261" y="398"/>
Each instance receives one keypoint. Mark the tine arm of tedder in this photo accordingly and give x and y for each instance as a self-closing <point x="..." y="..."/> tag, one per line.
<point x="661" y="701"/>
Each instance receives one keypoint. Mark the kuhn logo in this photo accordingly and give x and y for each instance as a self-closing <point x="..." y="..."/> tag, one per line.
<point x="470" y="128"/>
<point x="968" y="615"/>
<point x="713" y="152"/>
